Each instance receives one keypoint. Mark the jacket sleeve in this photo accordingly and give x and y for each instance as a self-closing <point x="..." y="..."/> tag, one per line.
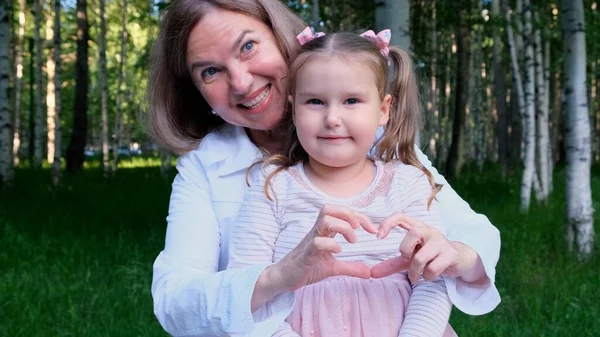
<point x="476" y="231"/>
<point x="191" y="297"/>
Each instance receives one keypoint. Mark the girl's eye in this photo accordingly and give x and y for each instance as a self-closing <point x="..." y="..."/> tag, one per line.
<point x="352" y="101"/>
<point x="209" y="72"/>
<point x="314" y="101"/>
<point x="248" y="46"/>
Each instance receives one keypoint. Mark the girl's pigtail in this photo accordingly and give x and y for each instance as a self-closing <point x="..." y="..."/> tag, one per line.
<point x="398" y="139"/>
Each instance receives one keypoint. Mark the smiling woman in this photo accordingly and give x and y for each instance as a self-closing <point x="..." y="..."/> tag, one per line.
<point x="217" y="96"/>
<point x="236" y="65"/>
<point x="226" y="56"/>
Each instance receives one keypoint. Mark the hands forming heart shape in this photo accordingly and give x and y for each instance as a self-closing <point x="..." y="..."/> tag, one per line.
<point x="424" y="251"/>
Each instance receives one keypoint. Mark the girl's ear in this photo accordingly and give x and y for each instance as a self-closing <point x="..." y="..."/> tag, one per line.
<point x="385" y="110"/>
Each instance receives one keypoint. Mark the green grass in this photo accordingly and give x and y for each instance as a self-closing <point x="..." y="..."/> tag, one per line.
<point x="77" y="260"/>
<point x="544" y="290"/>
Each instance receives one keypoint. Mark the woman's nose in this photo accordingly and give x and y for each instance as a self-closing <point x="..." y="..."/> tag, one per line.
<point x="240" y="80"/>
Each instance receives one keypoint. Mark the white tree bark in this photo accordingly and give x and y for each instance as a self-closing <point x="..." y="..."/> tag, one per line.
<point x="580" y="221"/>
<point x="56" y="163"/>
<point x="121" y="79"/>
<point x="102" y="74"/>
<point x="499" y="75"/>
<point x="315" y="14"/>
<point x="18" y="83"/>
<point x="165" y="162"/>
<point x="434" y="110"/>
<point x="597" y="99"/>
<point x="38" y="130"/>
<point x="519" y="26"/>
<point x="50" y="95"/>
<point x="394" y="14"/>
<point x="445" y="125"/>
<point x="476" y="98"/>
<point x="517" y="83"/>
<point x="529" y="115"/>
<point x="542" y="118"/>
<point x="6" y="131"/>
<point x="547" y="107"/>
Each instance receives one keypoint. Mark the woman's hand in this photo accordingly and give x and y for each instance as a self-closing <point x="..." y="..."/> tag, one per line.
<point x="426" y="251"/>
<point x="312" y="260"/>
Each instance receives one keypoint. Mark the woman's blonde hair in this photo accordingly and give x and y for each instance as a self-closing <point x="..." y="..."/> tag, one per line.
<point x="397" y="141"/>
<point x="178" y="116"/>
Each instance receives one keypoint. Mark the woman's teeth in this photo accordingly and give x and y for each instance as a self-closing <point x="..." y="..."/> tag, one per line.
<point x="258" y="99"/>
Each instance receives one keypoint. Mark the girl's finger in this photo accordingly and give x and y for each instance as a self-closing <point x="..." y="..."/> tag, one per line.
<point x="389" y="267"/>
<point x="420" y="260"/>
<point x="340" y="212"/>
<point x="365" y="222"/>
<point x="395" y="220"/>
<point x="330" y="226"/>
<point x="411" y="242"/>
<point x="351" y="268"/>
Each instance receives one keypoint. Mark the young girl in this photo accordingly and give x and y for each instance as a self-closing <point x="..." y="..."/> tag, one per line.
<point x="339" y="99"/>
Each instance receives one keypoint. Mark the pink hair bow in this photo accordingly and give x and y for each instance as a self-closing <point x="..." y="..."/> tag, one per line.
<point x="307" y="35"/>
<point x="381" y="40"/>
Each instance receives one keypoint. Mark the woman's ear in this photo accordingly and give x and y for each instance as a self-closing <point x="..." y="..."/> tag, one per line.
<point x="291" y="101"/>
<point x="385" y="110"/>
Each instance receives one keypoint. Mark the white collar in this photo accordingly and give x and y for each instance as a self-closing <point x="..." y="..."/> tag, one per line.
<point x="231" y="148"/>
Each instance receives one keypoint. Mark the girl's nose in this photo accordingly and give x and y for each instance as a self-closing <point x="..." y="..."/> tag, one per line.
<point x="332" y="118"/>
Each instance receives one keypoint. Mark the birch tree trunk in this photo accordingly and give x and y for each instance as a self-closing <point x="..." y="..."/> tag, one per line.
<point x="500" y="91"/>
<point x="434" y="135"/>
<point x="31" y="117"/>
<point x="76" y="148"/>
<point x="592" y="112"/>
<point x="456" y="154"/>
<point x="50" y="93"/>
<point x="102" y="74"/>
<point x="597" y="99"/>
<point x="529" y="116"/>
<point x="444" y="126"/>
<point x="580" y="221"/>
<point x="394" y="15"/>
<point x="18" y="83"/>
<point x="6" y="131"/>
<point x="39" y="113"/>
<point x="315" y="14"/>
<point x="476" y="106"/>
<point x="547" y="107"/>
<point x="541" y="112"/>
<point x="517" y="94"/>
<point x="119" y="98"/>
<point x="516" y="111"/>
<point x="56" y="163"/>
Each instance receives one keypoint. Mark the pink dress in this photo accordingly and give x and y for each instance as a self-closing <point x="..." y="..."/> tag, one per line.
<point x="268" y="229"/>
<point x="369" y="308"/>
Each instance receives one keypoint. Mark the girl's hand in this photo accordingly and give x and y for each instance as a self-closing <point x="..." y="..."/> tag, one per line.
<point x="312" y="260"/>
<point x="426" y="251"/>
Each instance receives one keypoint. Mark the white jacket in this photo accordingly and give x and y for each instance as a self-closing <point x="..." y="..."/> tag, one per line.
<point x="193" y="293"/>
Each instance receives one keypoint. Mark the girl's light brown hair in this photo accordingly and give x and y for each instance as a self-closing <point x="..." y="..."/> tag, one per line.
<point x="397" y="141"/>
<point x="178" y="116"/>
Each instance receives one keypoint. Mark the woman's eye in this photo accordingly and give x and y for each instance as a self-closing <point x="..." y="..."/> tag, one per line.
<point x="248" y="46"/>
<point x="314" y="101"/>
<point x="209" y="72"/>
<point x="352" y="101"/>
